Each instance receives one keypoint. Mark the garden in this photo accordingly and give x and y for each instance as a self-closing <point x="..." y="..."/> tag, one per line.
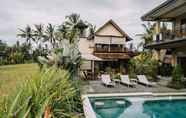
<point x="49" y="88"/>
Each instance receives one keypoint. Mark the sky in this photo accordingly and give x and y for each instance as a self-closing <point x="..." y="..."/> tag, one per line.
<point x="16" y="14"/>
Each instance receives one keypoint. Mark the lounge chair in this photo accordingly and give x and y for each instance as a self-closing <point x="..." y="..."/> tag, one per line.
<point x="143" y="80"/>
<point x="106" y="80"/>
<point x="125" y="80"/>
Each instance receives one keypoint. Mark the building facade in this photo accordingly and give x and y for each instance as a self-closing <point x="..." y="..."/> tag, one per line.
<point x="172" y="39"/>
<point x="108" y="45"/>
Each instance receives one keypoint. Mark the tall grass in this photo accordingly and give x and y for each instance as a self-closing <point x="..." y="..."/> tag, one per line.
<point x="49" y="93"/>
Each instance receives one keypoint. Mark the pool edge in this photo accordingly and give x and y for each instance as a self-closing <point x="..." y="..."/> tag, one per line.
<point x="89" y="112"/>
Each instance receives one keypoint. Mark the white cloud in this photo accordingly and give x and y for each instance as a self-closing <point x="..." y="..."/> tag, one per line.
<point x="16" y="14"/>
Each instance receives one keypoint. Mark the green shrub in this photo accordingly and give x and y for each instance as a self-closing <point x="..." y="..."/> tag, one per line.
<point x="165" y="69"/>
<point x="49" y="92"/>
<point x="177" y="78"/>
<point x="177" y="74"/>
<point x="116" y="76"/>
<point x="143" y="64"/>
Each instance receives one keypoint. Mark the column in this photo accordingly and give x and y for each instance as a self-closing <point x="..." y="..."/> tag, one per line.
<point x="93" y="76"/>
<point x="174" y="59"/>
<point x="158" y="27"/>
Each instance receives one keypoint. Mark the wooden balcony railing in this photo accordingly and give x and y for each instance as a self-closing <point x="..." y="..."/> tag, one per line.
<point x="167" y="36"/>
<point x="111" y="49"/>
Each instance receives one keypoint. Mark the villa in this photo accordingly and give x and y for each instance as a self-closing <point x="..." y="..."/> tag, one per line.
<point x="169" y="42"/>
<point x="140" y="101"/>
<point x="106" y="50"/>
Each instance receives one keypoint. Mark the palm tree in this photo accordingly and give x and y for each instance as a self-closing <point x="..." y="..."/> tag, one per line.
<point x="149" y="32"/>
<point x="92" y="30"/>
<point x="50" y="34"/>
<point x="72" y="21"/>
<point x="75" y="23"/>
<point x="27" y="33"/>
<point x="63" y="30"/>
<point x="39" y="33"/>
<point x="147" y="36"/>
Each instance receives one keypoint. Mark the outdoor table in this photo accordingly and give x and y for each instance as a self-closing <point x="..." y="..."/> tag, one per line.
<point x="116" y="80"/>
<point x="134" y="80"/>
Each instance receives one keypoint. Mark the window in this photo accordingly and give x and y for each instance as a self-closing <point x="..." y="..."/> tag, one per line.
<point x="183" y="27"/>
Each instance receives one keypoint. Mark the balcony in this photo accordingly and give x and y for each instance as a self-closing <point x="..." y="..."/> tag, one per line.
<point x="167" y="36"/>
<point x="107" y="49"/>
<point x="167" y="40"/>
<point x="110" y="52"/>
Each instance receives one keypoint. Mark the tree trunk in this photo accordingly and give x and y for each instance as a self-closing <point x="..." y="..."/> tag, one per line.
<point x="47" y="112"/>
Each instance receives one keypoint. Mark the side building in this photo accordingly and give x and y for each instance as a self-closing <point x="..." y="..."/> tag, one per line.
<point x="171" y="40"/>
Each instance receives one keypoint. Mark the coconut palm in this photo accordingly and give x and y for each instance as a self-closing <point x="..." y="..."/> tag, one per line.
<point x="63" y="30"/>
<point x="92" y="30"/>
<point x="50" y="34"/>
<point x="74" y="22"/>
<point x="149" y="32"/>
<point x="26" y="33"/>
<point x="39" y="33"/>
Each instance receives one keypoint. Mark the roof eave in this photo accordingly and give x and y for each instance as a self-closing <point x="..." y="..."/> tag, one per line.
<point x="147" y="17"/>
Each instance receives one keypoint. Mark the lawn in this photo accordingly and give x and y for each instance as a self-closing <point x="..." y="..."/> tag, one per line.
<point x="12" y="75"/>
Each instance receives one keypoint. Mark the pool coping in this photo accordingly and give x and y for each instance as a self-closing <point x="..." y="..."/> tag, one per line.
<point x="89" y="112"/>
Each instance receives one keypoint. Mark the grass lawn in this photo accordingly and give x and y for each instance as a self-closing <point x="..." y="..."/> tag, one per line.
<point x="11" y="75"/>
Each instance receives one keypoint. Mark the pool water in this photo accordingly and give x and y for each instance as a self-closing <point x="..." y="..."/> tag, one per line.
<point x="115" y="108"/>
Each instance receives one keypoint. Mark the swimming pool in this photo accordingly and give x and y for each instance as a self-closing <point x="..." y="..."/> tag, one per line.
<point x="138" y="107"/>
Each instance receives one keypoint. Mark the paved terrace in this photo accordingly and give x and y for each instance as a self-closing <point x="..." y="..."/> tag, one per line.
<point x="96" y="87"/>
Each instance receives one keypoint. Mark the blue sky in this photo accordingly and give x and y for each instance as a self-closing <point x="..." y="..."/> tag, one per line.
<point x="16" y="14"/>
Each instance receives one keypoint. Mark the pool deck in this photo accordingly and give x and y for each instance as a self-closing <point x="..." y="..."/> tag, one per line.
<point x="96" y="87"/>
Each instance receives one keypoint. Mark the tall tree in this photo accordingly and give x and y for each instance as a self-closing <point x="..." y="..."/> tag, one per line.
<point x="147" y="36"/>
<point x="92" y="30"/>
<point x="50" y="34"/>
<point x="63" y="30"/>
<point x="149" y="32"/>
<point x="39" y="33"/>
<point x="74" y="22"/>
<point x="27" y="33"/>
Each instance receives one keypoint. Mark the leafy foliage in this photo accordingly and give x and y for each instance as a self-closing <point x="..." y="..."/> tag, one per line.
<point x="48" y="93"/>
<point x="16" y="54"/>
<point x="147" y="36"/>
<point x="177" y="78"/>
<point x="143" y="64"/>
<point x="165" y="69"/>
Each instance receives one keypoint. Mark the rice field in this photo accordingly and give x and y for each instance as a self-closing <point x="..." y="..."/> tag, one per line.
<point x="12" y="75"/>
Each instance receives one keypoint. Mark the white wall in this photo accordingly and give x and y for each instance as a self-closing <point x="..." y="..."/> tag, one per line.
<point x="109" y="30"/>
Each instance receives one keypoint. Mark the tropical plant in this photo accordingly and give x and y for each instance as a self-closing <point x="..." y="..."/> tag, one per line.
<point x="75" y="24"/>
<point x="143" y="64"/>
<point x="177" y="74"/>
<point x="165" y="69"/>
<point x="147" y="36"/>
<point x="39" y="33"/>
<point x="3" y="46"/>
<point x="177" y="78"/>
<point x="50" y="35"/>
<point x="48" y="94"/>
<point x="149" y="31"/>
<point x="92" y="30"/>
<point x="26" y="33"/>
<point x="63" y="30"/>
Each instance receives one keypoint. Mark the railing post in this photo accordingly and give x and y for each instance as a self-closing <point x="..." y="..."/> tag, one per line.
<point x="158" y="28"/>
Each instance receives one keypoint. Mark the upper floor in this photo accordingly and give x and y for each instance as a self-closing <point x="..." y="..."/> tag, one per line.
<point x="172" y="13"/>
<point x="110" y="38"/>
<point x="109" y="41"/>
